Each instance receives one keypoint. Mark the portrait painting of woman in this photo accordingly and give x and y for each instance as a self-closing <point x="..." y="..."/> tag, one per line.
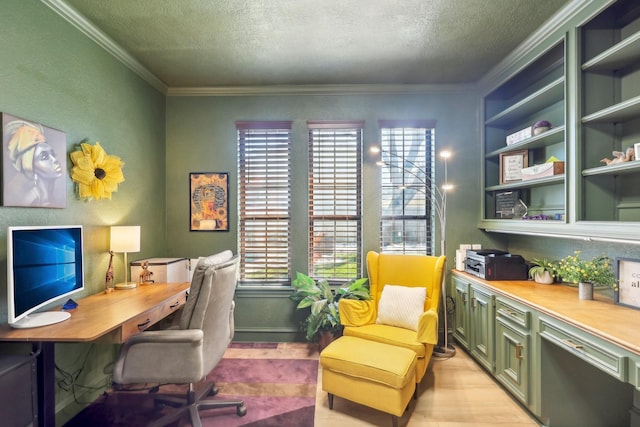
<point x="34" y="162"/>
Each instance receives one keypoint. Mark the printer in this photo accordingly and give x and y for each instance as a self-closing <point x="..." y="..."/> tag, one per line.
<point x="494" y="264"/>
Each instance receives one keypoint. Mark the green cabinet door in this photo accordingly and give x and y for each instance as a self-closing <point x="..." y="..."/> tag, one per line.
<point x="461" y="319"/>
<point x="513" y="359"/>
<point x="482" y="326"/>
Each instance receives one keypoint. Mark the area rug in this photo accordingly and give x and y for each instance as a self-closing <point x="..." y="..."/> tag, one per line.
<point x="276" y="381"/>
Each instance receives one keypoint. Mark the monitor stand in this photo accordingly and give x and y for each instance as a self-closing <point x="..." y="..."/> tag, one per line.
<point x="35" y="320"/>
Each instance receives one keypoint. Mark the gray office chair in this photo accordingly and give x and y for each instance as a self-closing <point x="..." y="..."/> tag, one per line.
<point x="186" y="353"/>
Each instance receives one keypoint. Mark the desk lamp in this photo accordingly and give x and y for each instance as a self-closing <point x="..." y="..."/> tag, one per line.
<point x="125" y="239"/>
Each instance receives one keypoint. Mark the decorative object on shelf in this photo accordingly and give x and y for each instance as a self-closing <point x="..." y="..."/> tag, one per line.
<point x="209" y="196"/>
<point x="506" y="203"/>
<point x="125" y="239"/>
<point x="96" y="172"/>
<point x="520" y="209"/>
<point x="636" y="150"/>
<point x="597" y="271"/>
<point x="542" y="271"/>
<point x="627" y="272"/>
<point x="620" y="157"/>
<point x="540" y="126"/>
<point x="520" y="135"/>
<point x="108" y="279"/>
<point x="511" y="165"/>
<point x="323" y="322"/>
<point x="438" y="197"/>
<point x="31" y="169"/>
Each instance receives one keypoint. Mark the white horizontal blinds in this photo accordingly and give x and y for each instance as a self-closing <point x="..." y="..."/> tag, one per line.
<point x="335" y="193"/>
<point x="407" y="213"/>
<point x="264" y="197"/>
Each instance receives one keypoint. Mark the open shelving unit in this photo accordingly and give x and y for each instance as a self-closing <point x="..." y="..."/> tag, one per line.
<point x="610" y="94"/>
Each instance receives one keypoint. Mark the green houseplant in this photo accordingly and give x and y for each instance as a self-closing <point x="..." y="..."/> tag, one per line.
<point x="543" y="271"/>
<point x="322" y="301"/>
<point x="587" y="273"/>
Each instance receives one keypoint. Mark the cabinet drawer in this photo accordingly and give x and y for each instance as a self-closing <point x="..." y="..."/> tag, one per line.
<point x="513" y="313"/>
<point x="588" y="348"/>
<point x="150" y="317"/>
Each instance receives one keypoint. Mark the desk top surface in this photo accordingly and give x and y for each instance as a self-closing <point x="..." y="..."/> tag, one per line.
<point x="601" y="317"/>
<point x="99" y="314"/>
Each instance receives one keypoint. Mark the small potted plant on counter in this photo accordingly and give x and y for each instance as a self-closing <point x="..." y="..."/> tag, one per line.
<point x="596" y="272"/>
<point x="543" y="271"/>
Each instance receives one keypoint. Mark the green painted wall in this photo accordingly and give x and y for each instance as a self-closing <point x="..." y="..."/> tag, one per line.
<point x="54" y="75"/>
<point x="201" y="137"/>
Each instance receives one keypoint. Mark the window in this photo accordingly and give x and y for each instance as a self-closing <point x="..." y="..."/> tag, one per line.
<point x="264" y="201"/>
<point x="407" y="211"/>
<point x="335" y="213"/>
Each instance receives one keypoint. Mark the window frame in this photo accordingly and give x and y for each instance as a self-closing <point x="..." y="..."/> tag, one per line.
<point x="274" y="245"/>
<point x="340" y="143"/>
<point x="403" y="173"/>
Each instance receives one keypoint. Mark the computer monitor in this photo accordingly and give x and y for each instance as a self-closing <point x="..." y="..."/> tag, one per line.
<point x="44" y="265"/>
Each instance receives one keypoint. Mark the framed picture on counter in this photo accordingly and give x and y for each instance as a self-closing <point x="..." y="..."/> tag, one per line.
<point x="511" y="165"/>
<point x="627" y="273"/>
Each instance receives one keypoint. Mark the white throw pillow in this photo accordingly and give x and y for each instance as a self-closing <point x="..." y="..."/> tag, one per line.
<point x="401" y="306"/>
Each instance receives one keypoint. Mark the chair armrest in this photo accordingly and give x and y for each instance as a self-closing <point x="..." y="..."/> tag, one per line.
<point x="428" y="327"/>
<point x="161" y="356"/>
<point x="356" y="312"/>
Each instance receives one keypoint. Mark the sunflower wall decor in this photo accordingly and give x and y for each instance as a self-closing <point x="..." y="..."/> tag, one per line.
<point x="96" y="172"/>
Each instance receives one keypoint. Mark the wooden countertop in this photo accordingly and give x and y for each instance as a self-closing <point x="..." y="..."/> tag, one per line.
<point x="601" y="317"/>
<point x="100" y="314"/>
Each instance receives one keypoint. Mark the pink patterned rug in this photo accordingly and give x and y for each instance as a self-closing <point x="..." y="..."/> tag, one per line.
<point x="278" y="390"/>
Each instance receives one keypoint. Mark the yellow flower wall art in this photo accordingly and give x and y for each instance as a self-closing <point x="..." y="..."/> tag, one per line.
<point x="96" y="172"/>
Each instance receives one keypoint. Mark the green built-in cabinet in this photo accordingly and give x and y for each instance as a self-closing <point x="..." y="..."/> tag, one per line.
<point x="475" y="319"/>
<point x="545" y="355"/>
<point x="586" y="83"/>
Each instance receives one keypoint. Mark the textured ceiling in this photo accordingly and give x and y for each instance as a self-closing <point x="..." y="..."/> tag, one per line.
<point x="217" y="43"/>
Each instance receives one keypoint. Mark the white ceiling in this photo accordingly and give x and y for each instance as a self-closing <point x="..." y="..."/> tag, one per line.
<point x="231" y="43"/>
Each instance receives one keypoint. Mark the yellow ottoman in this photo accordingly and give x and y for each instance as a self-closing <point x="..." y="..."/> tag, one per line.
<point x="374" y="374"/>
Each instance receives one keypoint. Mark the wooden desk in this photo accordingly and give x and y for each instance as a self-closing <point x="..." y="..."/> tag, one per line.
<point x="112" y="317"/>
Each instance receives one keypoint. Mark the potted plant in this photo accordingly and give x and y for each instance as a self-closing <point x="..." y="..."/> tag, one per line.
<point x="597" y="271"/>
<point x="542" y="271"/>
<point x="323" y="322"/>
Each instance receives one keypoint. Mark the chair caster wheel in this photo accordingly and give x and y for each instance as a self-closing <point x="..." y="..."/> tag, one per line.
<point x="241" y="410"/>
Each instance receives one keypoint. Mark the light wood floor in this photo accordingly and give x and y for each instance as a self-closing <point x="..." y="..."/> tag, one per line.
<point x="456" y="392"/>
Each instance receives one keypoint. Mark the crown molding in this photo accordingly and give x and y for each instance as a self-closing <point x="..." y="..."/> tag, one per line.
<point x="556" y="22"/>
<point x="101" y="39"/>
<point x="346" y="89"/>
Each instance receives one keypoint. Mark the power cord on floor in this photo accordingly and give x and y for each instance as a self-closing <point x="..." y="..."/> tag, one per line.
<point x="67" y="381"/>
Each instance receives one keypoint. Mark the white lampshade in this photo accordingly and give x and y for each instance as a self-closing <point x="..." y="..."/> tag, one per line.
<point x="125" y="238"/>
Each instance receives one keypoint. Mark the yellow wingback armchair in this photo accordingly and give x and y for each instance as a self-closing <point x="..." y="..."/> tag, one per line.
<point x="359" y="317"/>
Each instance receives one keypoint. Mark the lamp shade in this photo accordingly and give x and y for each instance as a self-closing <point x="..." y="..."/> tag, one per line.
<point x="125" y="238"/>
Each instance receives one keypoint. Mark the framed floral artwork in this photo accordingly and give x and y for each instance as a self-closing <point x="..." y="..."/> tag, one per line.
<point x="34" y="161"/>
<point x="209" y="198"/>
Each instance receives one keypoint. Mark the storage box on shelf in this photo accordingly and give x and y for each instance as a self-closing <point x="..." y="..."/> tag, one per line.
<point x="542" y="171"/>
<point x="610" y="65"/>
